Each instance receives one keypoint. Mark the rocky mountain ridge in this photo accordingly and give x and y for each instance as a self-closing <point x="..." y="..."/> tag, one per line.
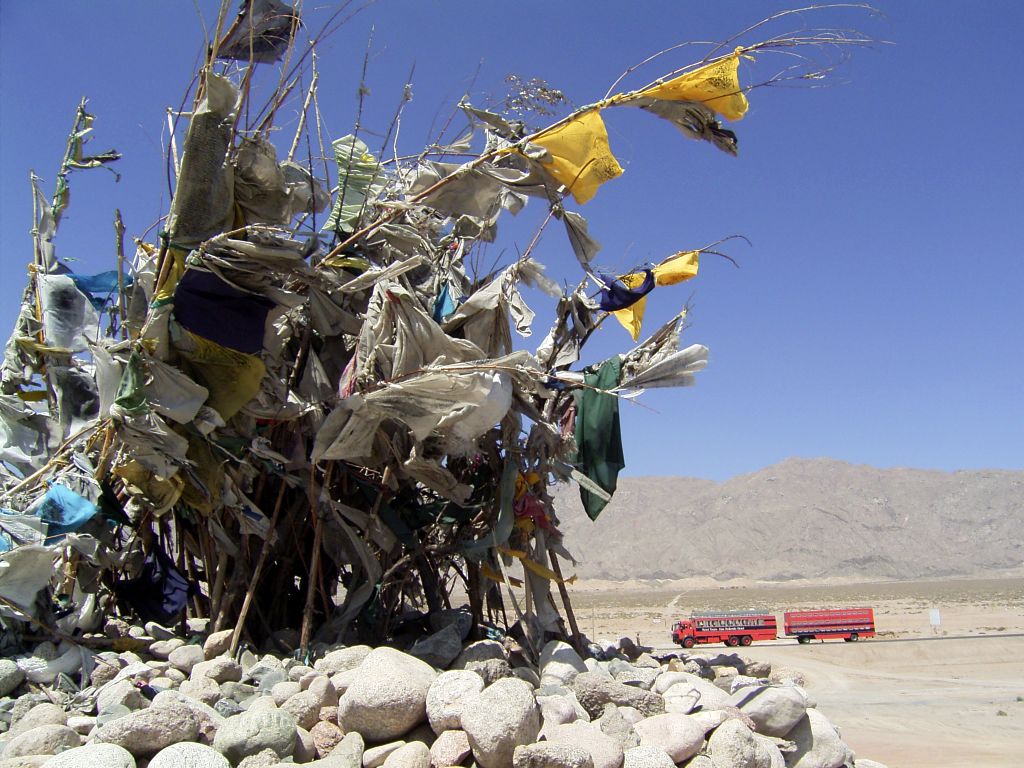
<point x="803" y="519"/>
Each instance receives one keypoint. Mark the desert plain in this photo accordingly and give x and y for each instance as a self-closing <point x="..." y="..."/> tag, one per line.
<point x="916" y="695"/>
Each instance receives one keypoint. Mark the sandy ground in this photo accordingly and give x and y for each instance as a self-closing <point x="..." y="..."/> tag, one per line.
<point x="915" y="696"/>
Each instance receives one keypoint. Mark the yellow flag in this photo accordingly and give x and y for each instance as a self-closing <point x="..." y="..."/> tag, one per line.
<point x="716" y="85"/>
<point x="580" y="157"/>
<point x="675" y="269"/>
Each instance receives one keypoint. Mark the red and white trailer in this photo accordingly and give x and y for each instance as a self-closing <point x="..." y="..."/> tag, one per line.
<point x="732" y="628"/>
<point x="851" y="624"/>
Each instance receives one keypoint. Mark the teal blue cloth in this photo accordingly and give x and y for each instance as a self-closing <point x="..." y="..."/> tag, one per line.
<point x="99" y="288"/>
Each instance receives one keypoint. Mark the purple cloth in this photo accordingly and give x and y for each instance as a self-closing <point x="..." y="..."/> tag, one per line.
<point x="209" y="307"/>
<point x="615" y="295"/>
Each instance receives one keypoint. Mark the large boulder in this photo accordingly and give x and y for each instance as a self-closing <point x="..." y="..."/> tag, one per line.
<point x="605" y="751"/>
<point x="415" y="754"/>
<point x="548" y="755"/>
<point x="441" y="648"/>
<point x="594" y="691"/>
<point x="499" y="719"/>
<point x="559" y="663"/>
<point x="93" y="756"/>
<point x="774" y="709"/>
<point x="254" y="731"/>
<point x="146" y="732"/>
<point x="733" y="745"/>
<point x="446" y="696"/>
<point x="342" y="659"/>
<point x="647" y="757"/>
<point x="818" y="744"/>
<point x="450" y="748"/>
<point x="677" y="734"/>
<point x="189" y="755"/>
<point x="42" y="740"/>
<point x="11" y="676"/>
<point x="388" y="695"/>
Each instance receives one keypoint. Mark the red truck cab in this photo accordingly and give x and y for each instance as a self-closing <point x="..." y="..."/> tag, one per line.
<point x="850" y="624"/>
<point x="732" y="628"/>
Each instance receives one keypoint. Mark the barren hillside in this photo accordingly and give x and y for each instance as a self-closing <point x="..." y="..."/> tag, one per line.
<point x="803" y="519"/>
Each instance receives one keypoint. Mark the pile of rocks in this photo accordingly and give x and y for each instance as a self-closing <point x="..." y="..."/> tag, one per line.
<point x="185" y="703"/>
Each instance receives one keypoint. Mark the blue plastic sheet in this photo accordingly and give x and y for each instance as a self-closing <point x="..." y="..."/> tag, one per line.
<point x="64" y="511"/>
<point x="99" y="288"/>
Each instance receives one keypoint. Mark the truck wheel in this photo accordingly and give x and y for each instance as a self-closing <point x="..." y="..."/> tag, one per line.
<point x="803" y="640"/>
<point x="854" y="637"/>
<point x="746" y="640"/>
<point x="732" y="642"/>
<point x="687" y="642"/>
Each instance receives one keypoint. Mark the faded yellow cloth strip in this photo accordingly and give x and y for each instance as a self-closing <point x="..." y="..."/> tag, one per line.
<point x="675" y="269"/>
<point x="232" y="377"/>
<point x="493" y="575"/>
<point x="716" y="85"/>
<point x="174" y="273"/>
<point x="580" y="156"/>
<point x="535" y="567"/>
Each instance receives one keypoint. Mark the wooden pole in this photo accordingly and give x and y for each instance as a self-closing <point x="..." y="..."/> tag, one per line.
<point x="577" y="639"/>
<point x="264" y="551"/>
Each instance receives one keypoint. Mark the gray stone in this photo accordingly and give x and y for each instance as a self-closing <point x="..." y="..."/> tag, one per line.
<point x="348" y="753"/>
<point x="304" y="706"/>
<point x="342" y="659"/>
<point x="28" y="761"/>
<point x="612" y="723"/>
<point x="461" y="619"/>
<point x="157" y="631"/>
<point x="81" y="724"/>
<point x="305" y="747"/>
<point x="696" y="691"/>
<point x="11" y="676"/>
<point x="42" y="740"/>
<point x="490" y="669"/>
<point x="481" y="650"/>
<point x="450" y="748"/>
<point x="284" y="690"/>
<point x="107" y="666"/>
<point x="201" y="689"/>
<point x="774" y="710"/>
<point x="189" y="755"/>
<point x="528" y="675"/>
<point x="733" y="745"/>
<point x="647" y="757"/>
<point x="120" y="692"/>
<point x="374" y="757"/>
<point x="818" y="744"/>
<point x="446" y="695"/>
<point x="323" y="689"/>
<point x="112" y="713"/>
<point x="864" y="763"/>
<point x="186" y="657"/>
<point x="388" y="696"/>
<point x="208" y="718"/>
<point x="237" y="692"/>
<point x="547" y="755"/>
<point x="598" y="668"/>
<point x="604" y="751"/>
<point x="254" y="731"/>
<point x="594" y="691"/>
<point x="34" y="716"/>
<point x="228" y="708"/>
<point x="220" y="670"/>
<point x="93" y="756"/>
<point x="769" y="752"/>
<point x="559" y="663"/>
<point x="500" y="718"/>
<point x="677" y="734"/>
<point x="415" y="754"/>
<point x="146" y="732"/>
<point x="757" y="668"/>
<point x="641" y="677"/>
<point x="218" y="643"/>
<point x="265" y="758"/>
<point x="439" y="649"/>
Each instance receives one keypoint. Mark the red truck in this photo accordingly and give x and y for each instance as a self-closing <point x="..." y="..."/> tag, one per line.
<point x="851" y="624"/>
<point x="732" y="628"/>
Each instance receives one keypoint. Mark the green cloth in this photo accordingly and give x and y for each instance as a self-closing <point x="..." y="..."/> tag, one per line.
<point x="131" y="395"/>
<point x="598" y="437"/>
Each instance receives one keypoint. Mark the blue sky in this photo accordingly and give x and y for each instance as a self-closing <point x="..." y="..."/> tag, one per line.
<point x="876" y="317"/>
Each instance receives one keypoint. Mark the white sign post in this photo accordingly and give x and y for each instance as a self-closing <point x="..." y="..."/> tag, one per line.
<point x="935" y="620"/>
